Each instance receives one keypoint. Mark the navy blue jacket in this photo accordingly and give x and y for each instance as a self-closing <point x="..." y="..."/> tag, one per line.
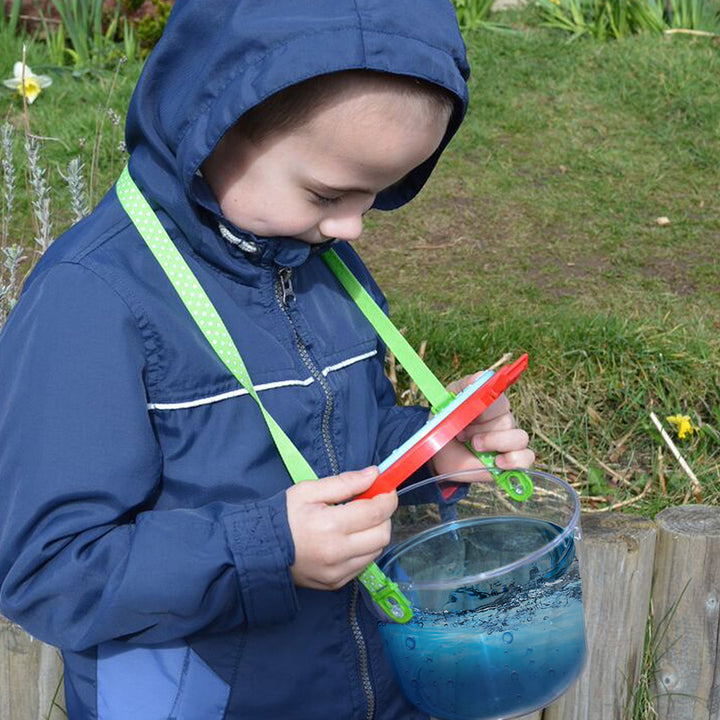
<point x="143" y="527"/>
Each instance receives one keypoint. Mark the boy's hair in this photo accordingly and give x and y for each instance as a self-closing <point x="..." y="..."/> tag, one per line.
<point x="294" y="106"/>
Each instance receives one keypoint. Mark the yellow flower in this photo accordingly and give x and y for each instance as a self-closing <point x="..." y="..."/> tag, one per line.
<point x="27" y="83"/>
<point x="682" y="424"/>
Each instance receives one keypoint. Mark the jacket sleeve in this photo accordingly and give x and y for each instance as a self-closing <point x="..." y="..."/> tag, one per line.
<point x="85" y="556"/>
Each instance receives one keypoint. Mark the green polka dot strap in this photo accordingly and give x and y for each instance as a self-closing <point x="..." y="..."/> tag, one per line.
<point x="385" y="593"/>
<point x="203" y="312"/>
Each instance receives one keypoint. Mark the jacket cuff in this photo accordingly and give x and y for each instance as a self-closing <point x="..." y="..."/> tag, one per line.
<point x="263" y="551"/>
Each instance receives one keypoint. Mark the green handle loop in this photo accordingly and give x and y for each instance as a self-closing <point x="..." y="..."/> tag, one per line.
<point x="386" y="594"/>
<point x="516" y="483"/>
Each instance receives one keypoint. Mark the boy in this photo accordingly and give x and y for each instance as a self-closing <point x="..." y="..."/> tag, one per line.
<point x="148" y="526"/>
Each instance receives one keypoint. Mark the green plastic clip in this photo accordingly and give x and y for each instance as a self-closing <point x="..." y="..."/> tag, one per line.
<point x="386" y="594"/>
<point x="516" y="483"/>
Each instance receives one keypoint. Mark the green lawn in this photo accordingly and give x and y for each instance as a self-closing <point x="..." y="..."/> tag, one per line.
<point x="538" y="232"/>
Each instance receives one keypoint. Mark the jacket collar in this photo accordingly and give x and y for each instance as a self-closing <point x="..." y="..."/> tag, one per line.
<point x="232" y="246"/>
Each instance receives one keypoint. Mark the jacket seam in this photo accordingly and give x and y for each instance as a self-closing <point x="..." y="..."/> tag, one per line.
<point x="139" y="320"/>
<point x="362" y="32"/>
<point x="104" y="238"/>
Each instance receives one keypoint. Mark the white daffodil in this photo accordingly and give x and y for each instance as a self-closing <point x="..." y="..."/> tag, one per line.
<point x="27" y="83"/>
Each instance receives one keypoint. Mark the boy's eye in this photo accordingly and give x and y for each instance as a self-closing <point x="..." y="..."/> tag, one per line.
<point x="322" y="200"/>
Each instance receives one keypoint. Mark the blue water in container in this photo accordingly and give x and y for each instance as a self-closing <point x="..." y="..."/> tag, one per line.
<point x="496" y="648"/>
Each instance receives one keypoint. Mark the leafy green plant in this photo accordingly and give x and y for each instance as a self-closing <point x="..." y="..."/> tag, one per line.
<point x="602" y="19"/>
<point x="130" y="41"/>
<point x="701" y="15"/>
<point x="55" y="42"/>
<point x="612" y="19"/>
<point x="473" y="14"/>
<point x="9" y="20"/>
<point x="151" y="27"/>
<point x="90" y="38"/>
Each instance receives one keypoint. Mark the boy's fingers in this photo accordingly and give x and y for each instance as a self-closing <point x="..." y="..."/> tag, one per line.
<point x="497" y="424"/>
<point x="338" y="488"/>
<point x="517" y="459"/>
<point x="360" y="515"/>
<point x="459" y="385"/>
<point x="500" y="407"/>
<point x="500" y="441"/>
<point x="370" y="542"/>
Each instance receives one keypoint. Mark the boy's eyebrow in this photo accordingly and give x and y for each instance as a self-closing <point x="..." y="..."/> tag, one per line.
<point x="323" y="187"/>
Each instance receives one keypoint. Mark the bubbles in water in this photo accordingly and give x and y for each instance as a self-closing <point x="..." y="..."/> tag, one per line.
<point x="477" y="642"/>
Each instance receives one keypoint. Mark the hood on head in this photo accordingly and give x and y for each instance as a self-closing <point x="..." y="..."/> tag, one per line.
<point x="217" y="59"/>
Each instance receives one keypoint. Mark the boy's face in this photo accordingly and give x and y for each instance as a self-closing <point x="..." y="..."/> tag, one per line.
<point x="317" y="181"/>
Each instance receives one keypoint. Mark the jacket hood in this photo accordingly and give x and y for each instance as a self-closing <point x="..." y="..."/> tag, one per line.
<point x="217" y="59"/>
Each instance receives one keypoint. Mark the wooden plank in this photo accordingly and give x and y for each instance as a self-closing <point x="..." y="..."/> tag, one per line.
<point x="686" y="597"/>
<point x="30" y="673"/>
<point x="616" y="564"/>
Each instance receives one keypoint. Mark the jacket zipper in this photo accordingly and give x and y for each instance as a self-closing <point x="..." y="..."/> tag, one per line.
<point x="285" y="294"/>
<point x="362" y="652"/>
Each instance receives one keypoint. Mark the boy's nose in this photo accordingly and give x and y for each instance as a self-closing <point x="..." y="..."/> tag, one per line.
<point x="345" y="227"/>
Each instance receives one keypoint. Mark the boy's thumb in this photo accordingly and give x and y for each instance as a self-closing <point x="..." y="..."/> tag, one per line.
<point x="347" y="485"/>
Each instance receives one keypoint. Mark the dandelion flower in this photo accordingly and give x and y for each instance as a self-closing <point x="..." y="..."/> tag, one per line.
<point x="682" y="425"/>
<point x="27" y="83"/>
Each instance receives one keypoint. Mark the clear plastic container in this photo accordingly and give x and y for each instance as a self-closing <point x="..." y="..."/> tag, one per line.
<point x="498" y="626"/>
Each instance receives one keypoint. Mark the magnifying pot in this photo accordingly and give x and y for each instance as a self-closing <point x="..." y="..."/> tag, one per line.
<point x="497" y="628"/>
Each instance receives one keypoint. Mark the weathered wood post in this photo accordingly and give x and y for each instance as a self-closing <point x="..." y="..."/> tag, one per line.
<point x="686" y="597"/>
<point x="616" y="565"/>
<point x="30" y="675"/>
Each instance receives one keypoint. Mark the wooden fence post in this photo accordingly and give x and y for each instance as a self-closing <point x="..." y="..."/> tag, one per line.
<point x="30" y="674"/>
<point x="686" y="595"/>
<point x="616" y="562"/>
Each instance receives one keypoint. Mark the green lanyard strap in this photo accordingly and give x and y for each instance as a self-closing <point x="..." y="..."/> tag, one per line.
<point x="384" y="592"/>
<point x="516" y="483"/>
<point x="422" y="376"/>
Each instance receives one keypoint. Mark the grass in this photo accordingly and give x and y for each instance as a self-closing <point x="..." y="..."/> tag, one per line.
<point x="538" y="232"/>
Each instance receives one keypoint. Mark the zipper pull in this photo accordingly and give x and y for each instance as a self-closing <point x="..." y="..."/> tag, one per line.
<point x="285" y="277"/>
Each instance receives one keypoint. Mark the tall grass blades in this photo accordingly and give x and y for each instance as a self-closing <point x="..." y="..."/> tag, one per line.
<point x="612" y="19"/>
<point x="9" y="20"/>
<point x="82" y="24"/>
<point x="472" y="13"/>
<point x="701" y="15"/>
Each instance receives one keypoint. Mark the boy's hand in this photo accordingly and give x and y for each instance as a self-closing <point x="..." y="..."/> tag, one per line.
<point x="335" y="543"/>
<point x="493" y="430"/>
